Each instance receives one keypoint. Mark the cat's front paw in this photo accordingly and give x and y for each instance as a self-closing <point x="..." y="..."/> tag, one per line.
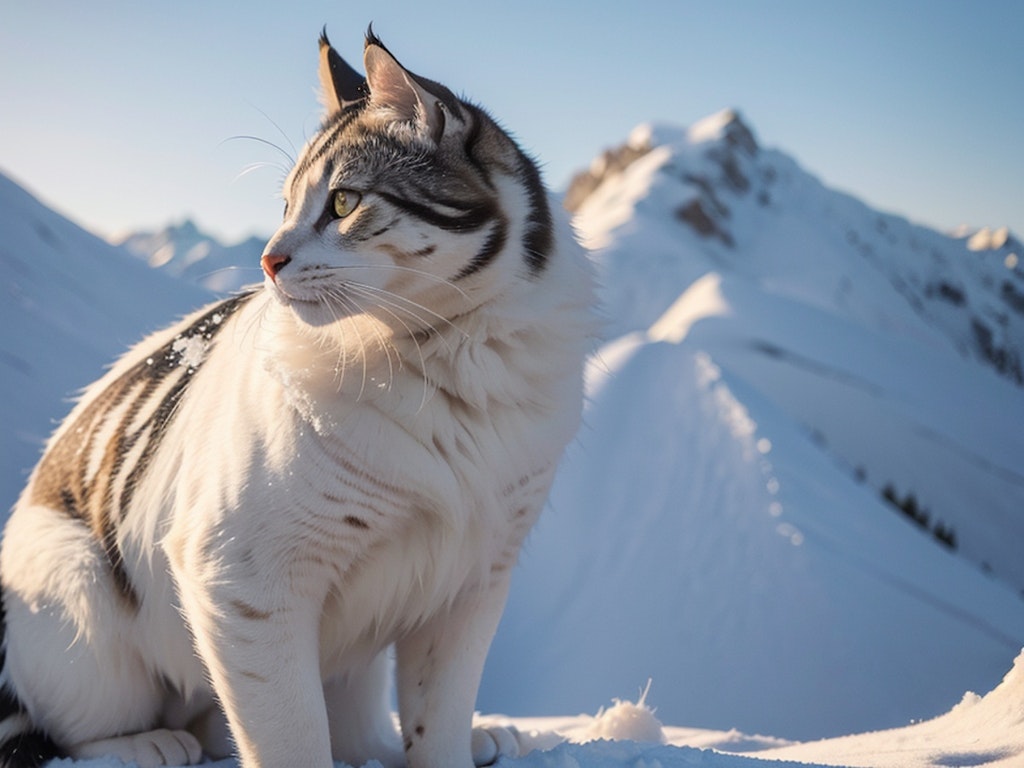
<point x="151" y="749"/>
<point x="494" y="742"/>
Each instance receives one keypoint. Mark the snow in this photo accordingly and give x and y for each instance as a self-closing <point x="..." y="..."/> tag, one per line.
<point x="701" y="301"/>
<point x="710" y="129"/>
<point x="722" y="565"/>
<point x="978" y="731"/>
<point x="718" y="531"/>
<point x="986" y="239"/>
<point x="190" y="351"/>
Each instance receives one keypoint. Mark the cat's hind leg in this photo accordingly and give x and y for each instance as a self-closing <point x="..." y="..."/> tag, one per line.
<point x="359" y="716"/>
<point x="71" y="658"/>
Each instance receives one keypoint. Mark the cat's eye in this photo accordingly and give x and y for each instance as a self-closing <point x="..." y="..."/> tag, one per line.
<point x="344" y="201"/>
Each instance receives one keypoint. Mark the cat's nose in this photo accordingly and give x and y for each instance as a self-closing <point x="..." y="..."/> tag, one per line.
<point x="273" y="263"/>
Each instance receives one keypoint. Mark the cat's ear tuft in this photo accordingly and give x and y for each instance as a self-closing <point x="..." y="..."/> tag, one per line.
<point x="408" y="97"/>
<point x="341" y="85"/>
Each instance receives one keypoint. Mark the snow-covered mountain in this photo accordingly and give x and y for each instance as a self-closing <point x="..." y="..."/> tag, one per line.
<point x="705" y="215"/>
<point x="185" y="251"/>
<point x="798" y="498"/>
<point x="710" y="198"/>
<point x="72" y="303"/>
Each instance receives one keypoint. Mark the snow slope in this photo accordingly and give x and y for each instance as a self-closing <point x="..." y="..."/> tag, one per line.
<point x="74" y="303"/>
<point x="698" y="537"/>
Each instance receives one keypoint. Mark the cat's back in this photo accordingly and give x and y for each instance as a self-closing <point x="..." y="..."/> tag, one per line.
<point x="98" y="455"/>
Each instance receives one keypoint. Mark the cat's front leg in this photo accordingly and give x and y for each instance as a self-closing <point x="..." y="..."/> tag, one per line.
<point x="261" y="650"/>
<point x="439" y="670"/>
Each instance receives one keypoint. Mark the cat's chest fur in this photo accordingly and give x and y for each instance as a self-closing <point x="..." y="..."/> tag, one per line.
<point x="402" y="484"/>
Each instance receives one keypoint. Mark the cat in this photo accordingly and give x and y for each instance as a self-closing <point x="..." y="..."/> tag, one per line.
<point x="254" y="511"/>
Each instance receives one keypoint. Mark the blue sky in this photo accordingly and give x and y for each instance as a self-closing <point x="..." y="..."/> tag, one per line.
<point x="120" y="113"/>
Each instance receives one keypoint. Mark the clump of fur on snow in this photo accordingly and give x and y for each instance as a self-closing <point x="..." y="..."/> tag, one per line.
<point x="626" y="720"/>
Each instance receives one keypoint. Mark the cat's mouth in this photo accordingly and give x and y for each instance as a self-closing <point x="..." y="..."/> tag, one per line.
<point x="288" y="296"/>
<point x="312" y="308"/>
<point x="289" y="299"/>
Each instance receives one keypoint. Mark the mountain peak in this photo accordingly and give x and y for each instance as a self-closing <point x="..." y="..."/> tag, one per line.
<point x="723" y="137"/>
<point x="609" y="163"/>
<point x="986" y="239"/>
<point x="185" y="228"/>
<point x="183" y="249"/>
<point x="726" y="126"/>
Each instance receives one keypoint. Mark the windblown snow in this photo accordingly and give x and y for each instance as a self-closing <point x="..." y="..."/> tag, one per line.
<point x="795" y="505"/>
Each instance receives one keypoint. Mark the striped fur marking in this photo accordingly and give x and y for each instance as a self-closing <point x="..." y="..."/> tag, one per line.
<point x="331" y="131"/>
<point x="93" y="469"/>
<point x="539" y="238"/>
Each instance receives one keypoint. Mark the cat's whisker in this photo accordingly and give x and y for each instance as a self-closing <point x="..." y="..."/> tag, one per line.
<point x="385" y="301"/>
<point x="272" y="145"/>
<point x="422" y="328"/>
<point x="419" y="353"/>
<point x="346" y="297"/>
<point x="408" y="306"/>
<point x="255" y="324"/>
<point x="342" y="310"/>
<point x="281" y="131"/>
<point x="326" y="340"/>
<point x="401" y="268"/>
<point x="258" y="166"/>
<point x="382" y="298"/>
<point x="225" y="270"/>
<point x="385" y="344"/>
<point x="348" y="303"/>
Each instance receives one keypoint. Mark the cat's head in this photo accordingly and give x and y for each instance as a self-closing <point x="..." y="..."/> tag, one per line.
<point x="409" y="203"/>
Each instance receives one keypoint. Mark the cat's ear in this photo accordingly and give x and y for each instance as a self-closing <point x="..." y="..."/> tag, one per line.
<point x="341" y="85"/>
<point x="409" y="98"/>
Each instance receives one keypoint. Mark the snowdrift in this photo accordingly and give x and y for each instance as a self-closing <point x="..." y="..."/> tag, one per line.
<point x="697" y="536"/>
